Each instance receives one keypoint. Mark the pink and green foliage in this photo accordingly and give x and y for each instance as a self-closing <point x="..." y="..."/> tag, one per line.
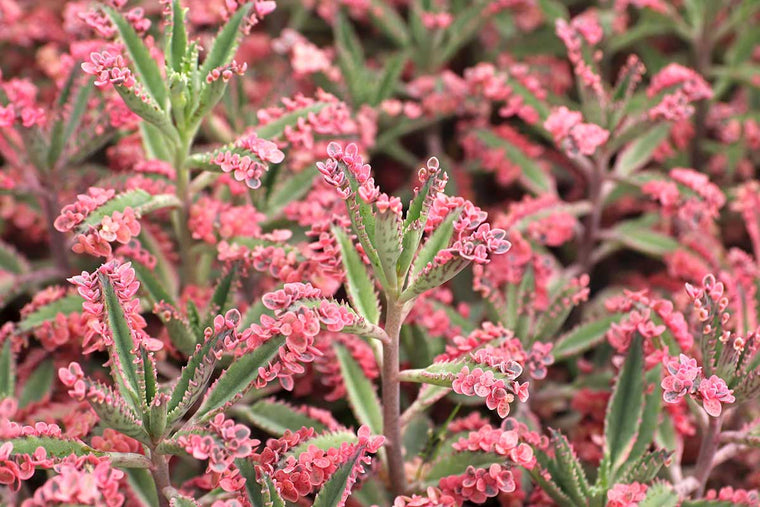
<point x="415" y="253"/>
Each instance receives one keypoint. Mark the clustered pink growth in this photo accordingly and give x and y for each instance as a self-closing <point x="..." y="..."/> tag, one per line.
<point x="681" y="381"/>
<point x="63" y="328"/>
<point x="483" y="384"/>
<point x="497" y="159"/>
<point x="685" y="378"/>
<point x="682" y="87"/>
<point x="328" y="366"/>
<point x="484" y="80"/>
<point x="226" y="72"/>
<point x="298" y="476"/>
<point x="232" y="442"/>
<point x="242" y="166"/>
<point x="125" y="285"/>
<point x="473" y="239"/>
<point x="504" y="442"/>
<point x="433" y="498"/>
<point x="74" y="214"/>
<point x="584" y="28"/>
<point x="713" y="392"/>
<point x="572" y="134"/>
<point x="299" y="324"/>
<point x="87" y="480"/>
<point x="22" y="105"/>
<point x="261" y="8"/>
<point x="109" y="69"/>
<point x="355" y="170"/>
<point x="334" y="119"/>
<point x="736" y="496"/>
<point x="14" y="470"/>
<point x="626" y="495"/>
<point x="673" y="320"/>
<point x="121" y="226"/>
<point x="477" y="485"/>
<point x="211" y="219"/>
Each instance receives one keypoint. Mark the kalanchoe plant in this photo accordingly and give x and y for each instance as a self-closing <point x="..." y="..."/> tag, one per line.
<point x="226" y="281"/>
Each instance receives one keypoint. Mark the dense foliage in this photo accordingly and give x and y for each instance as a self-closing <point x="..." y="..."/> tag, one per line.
<point x="380" y="252"/>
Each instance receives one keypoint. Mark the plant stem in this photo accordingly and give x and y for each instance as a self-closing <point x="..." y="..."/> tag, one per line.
<point x="391" y="398"/>
<point x="588" y="241"/>
<point x="160" y="473"/>
<point x="707" y="450"/>
<point x="182" y="215"/>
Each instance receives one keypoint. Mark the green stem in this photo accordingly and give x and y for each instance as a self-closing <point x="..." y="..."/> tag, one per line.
<point x="160" y="473"/>
<point x="391" y="397"/>
<point x="182" y="214"/>
<point x="707" y="449"/>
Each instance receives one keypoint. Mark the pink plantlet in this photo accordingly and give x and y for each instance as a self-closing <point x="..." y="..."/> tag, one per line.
<point x="626" y="495"/>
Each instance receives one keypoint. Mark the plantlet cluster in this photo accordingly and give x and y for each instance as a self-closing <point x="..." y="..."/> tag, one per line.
<point x="408" y="253"/>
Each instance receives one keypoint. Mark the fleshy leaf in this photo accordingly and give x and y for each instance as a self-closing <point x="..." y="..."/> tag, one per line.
<point x="660" y="494"/>
<point x="645" y="468"/>
<point x="176" y="46"/>
<point x="457" y="463"/>
<point x="123" y="368"/>
<point x="624" y="411"/>
<point x="7" y="371"/>
<point x="437" y="241"/>
<point x="387" y="241"/>
<point x="55" y="447"/>
<point x="639" y="152"/>
<point x="239" y="376"/>
<point x="360" y="288"/>
<point x="11" y="260"/>
<point x="146" y="67"/>
<point x="643" y="239"/>
<point x="195" y="375"/>
<point x="568" y="471"/>
<point x="361" y="393"/>
<point x="38" y="385"/>
<point x="71" y="303"/>
<point x="226" y="42"/>
<point x="583" y="337"/>
<point x="333" y="491"/>
<point x="276" y="417"/>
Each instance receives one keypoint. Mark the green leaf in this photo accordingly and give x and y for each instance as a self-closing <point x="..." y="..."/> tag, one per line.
<point x="623" y="419"/>
<point x="149" y="110"/>
<point x="456" y="464"/>
<point x="145" y="66"/>
<point x="389" y="78"/>
<point x="219" y="302"/>
<point x="269" y="495"/>
<point x="660" y="494"/>
<point x="130" y="199"/>
<point x="643" y="239"/>
<point x="12" y="261"/>
<point x="276" y="417"/>
<point x="387" y="242"/>
<point x="532" y="176"/>
<point x="151" y="285"/>
<point x="636" y="155"/>
<point x="276" y="128"/>
<point x="294" y="188"/>
<point x="123" y="367"/>
<point x="583" y="337"/>
<point x="239" y="376"/>
<point x="226" y="42"/>
<point x="650" y="416"/>
<point x="143" y="486"/>
<point x="359" y="286"/>
<point x="386" y="18"/>
<point x="55" y="447"/>
<point x="361" y="393"/>
<point x="196" y="374"/>
<point x="38" y="385"/>
<point x="645" y="468"/>
<point x="7" y="371"/>
<point x="176" y="47"/>
<point x="553" y="10"/>
<point x="433" y="276"/>
<point x="331" y="494"/>
<point x="71" y="303"/>
<point x="567" y="471"/>
<point x="437" y="241"/>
